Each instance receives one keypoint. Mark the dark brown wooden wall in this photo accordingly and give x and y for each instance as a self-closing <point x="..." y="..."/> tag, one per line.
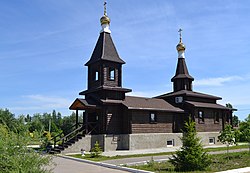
<point x="117" y="81"/>
<point x="140" y="122"/>
<point x="114" y="121"/>
<point x="209" y="124"/>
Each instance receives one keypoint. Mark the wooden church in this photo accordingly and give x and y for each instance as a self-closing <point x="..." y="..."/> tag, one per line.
<point x="118" y="121"/>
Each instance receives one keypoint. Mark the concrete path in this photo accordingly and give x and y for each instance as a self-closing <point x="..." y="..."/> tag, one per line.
<point x="70" y="166"/>
<point x="241" y="170"/>
<point x="142" y="160"/>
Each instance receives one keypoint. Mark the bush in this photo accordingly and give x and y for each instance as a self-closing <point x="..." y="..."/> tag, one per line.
<point x="191" y="157"/>
<point x="17" y="157"/>
<point x="96" y="151"/>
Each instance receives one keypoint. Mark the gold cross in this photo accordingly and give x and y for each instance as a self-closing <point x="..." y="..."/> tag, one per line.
<point x="105" y="8"/>
<point x="180" y="30"/>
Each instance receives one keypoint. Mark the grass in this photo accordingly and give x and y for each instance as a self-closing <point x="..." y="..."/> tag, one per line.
<point x="220" y="162"/>
<point x="103" y="158"/>
<point x="225" y="148"/>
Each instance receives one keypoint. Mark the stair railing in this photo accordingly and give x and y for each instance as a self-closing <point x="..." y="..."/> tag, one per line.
<point x="69" y="136"/>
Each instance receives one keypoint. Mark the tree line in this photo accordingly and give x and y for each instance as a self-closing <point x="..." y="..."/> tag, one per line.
<point x="39" y="125"/>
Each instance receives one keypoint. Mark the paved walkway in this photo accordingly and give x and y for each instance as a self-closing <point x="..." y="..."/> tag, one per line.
<point x="65" y="165"/>
<point x="70" y="166"/>
<point x="241" y="170"/>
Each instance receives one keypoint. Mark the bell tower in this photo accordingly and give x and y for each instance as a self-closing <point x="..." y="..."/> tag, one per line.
<point x="182" y="80"/>
<point x="105" y="66"/>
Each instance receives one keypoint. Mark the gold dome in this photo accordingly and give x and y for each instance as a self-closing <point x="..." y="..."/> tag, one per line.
<point x="180" y="47"/>
<point x="105" y="20"/>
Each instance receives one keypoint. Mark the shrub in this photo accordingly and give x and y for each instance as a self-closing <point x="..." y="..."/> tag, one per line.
<point x="17" y="157"/>
<point x="96" y="151"/>
<point x="191" y="157"/>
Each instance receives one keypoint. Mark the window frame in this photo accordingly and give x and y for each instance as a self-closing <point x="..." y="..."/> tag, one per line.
<point x="211" y="143"/>
<point x="216" y="117"/>
<point x="110" y="76"/>
<point x="96" y="75"/>
<point x="155" y="118"/>
<point x="172" y="140"/>
<point x="201" y="120"/>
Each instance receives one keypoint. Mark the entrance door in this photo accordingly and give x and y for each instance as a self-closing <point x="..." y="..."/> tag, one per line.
<point x="93" y="123"/>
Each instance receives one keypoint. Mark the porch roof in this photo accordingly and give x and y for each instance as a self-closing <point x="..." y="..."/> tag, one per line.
<point x="82" y="104"/>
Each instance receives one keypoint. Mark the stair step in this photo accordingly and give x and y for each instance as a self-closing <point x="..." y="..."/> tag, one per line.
<point x="60" y="147"/>
<point x="64" y="145"/>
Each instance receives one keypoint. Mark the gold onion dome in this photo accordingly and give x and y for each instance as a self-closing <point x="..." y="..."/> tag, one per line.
<point x="105" y="19"/>
<point x="180" y="46"/>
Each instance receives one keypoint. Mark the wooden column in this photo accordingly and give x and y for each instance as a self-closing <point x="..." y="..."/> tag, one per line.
<point x="86" y="122"/>
<point x="76" y="118"/>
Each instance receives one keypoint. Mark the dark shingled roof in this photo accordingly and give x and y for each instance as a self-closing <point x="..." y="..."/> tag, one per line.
<point x="105" y="88"/>
<point x="207" y="105"/>
<point x="189" y="93"/>
<point x="141" y="103"/>
<point x="105" y="50"/>
<point x="181" y="70"/>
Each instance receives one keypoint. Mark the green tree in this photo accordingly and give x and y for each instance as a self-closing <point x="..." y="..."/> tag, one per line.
<point x="228" y="105"/>
<point x="96" y="151"/>
<point x="227" y="136"/>
<point x="67" y="123"/>
<point x="235" y="121"/>
<point x="244" y="125"/>
<point x="8" y="119"/>
<point x="36" y="124"/>
<point x="191" y="157"/>
<point x="17" y="157"/>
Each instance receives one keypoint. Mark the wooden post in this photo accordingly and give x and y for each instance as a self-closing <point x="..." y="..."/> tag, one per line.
<point x="76" y="118"/>
<point x="86" y="122"/>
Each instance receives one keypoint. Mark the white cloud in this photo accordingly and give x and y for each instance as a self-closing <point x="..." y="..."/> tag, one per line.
<point x="41" y="103"/>
<point x="49" y="101"/>
<point x="218" y="81"/>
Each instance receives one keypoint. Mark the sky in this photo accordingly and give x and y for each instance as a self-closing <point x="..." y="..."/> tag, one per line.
<point x="44" y="45"/>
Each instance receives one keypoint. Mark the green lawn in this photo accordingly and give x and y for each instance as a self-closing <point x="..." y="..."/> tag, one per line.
<point x="220" y="163"/>
<point x="103" y="158"/>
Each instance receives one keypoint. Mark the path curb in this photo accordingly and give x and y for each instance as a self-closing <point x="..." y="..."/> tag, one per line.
<point x="107" y="165"/>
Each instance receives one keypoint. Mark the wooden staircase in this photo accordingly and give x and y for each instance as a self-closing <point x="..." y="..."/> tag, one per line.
<point x="62" y="143"/>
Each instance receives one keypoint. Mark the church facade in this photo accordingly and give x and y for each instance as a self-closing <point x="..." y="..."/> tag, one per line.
<point x="119" y="121"/>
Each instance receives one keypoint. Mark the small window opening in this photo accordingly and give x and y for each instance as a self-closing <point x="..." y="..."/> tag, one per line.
<point x="170" y="143"/>
<point x="216" y="117"/>
<point x="201" y="117"/>
<point x="111" y="74"/>
<point x="211" y="140"/>
<point x="152" y="117"/>
<point x="96" y="76"/>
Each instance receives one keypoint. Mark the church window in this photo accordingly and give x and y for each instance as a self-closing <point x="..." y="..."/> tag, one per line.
<point x="152" y="118"/>
<point x="96" y="76"/>
<point x="216" y="117"/>
<point x="201" y="116"/>
<point x="111" y="74"/>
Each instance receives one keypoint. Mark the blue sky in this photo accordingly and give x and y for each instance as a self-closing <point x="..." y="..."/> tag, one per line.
<point x="45" y="43"/>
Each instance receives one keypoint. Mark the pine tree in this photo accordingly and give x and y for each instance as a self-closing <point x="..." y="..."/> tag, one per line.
<point x="191" y="157"/>
<point x="96" y="151"/>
